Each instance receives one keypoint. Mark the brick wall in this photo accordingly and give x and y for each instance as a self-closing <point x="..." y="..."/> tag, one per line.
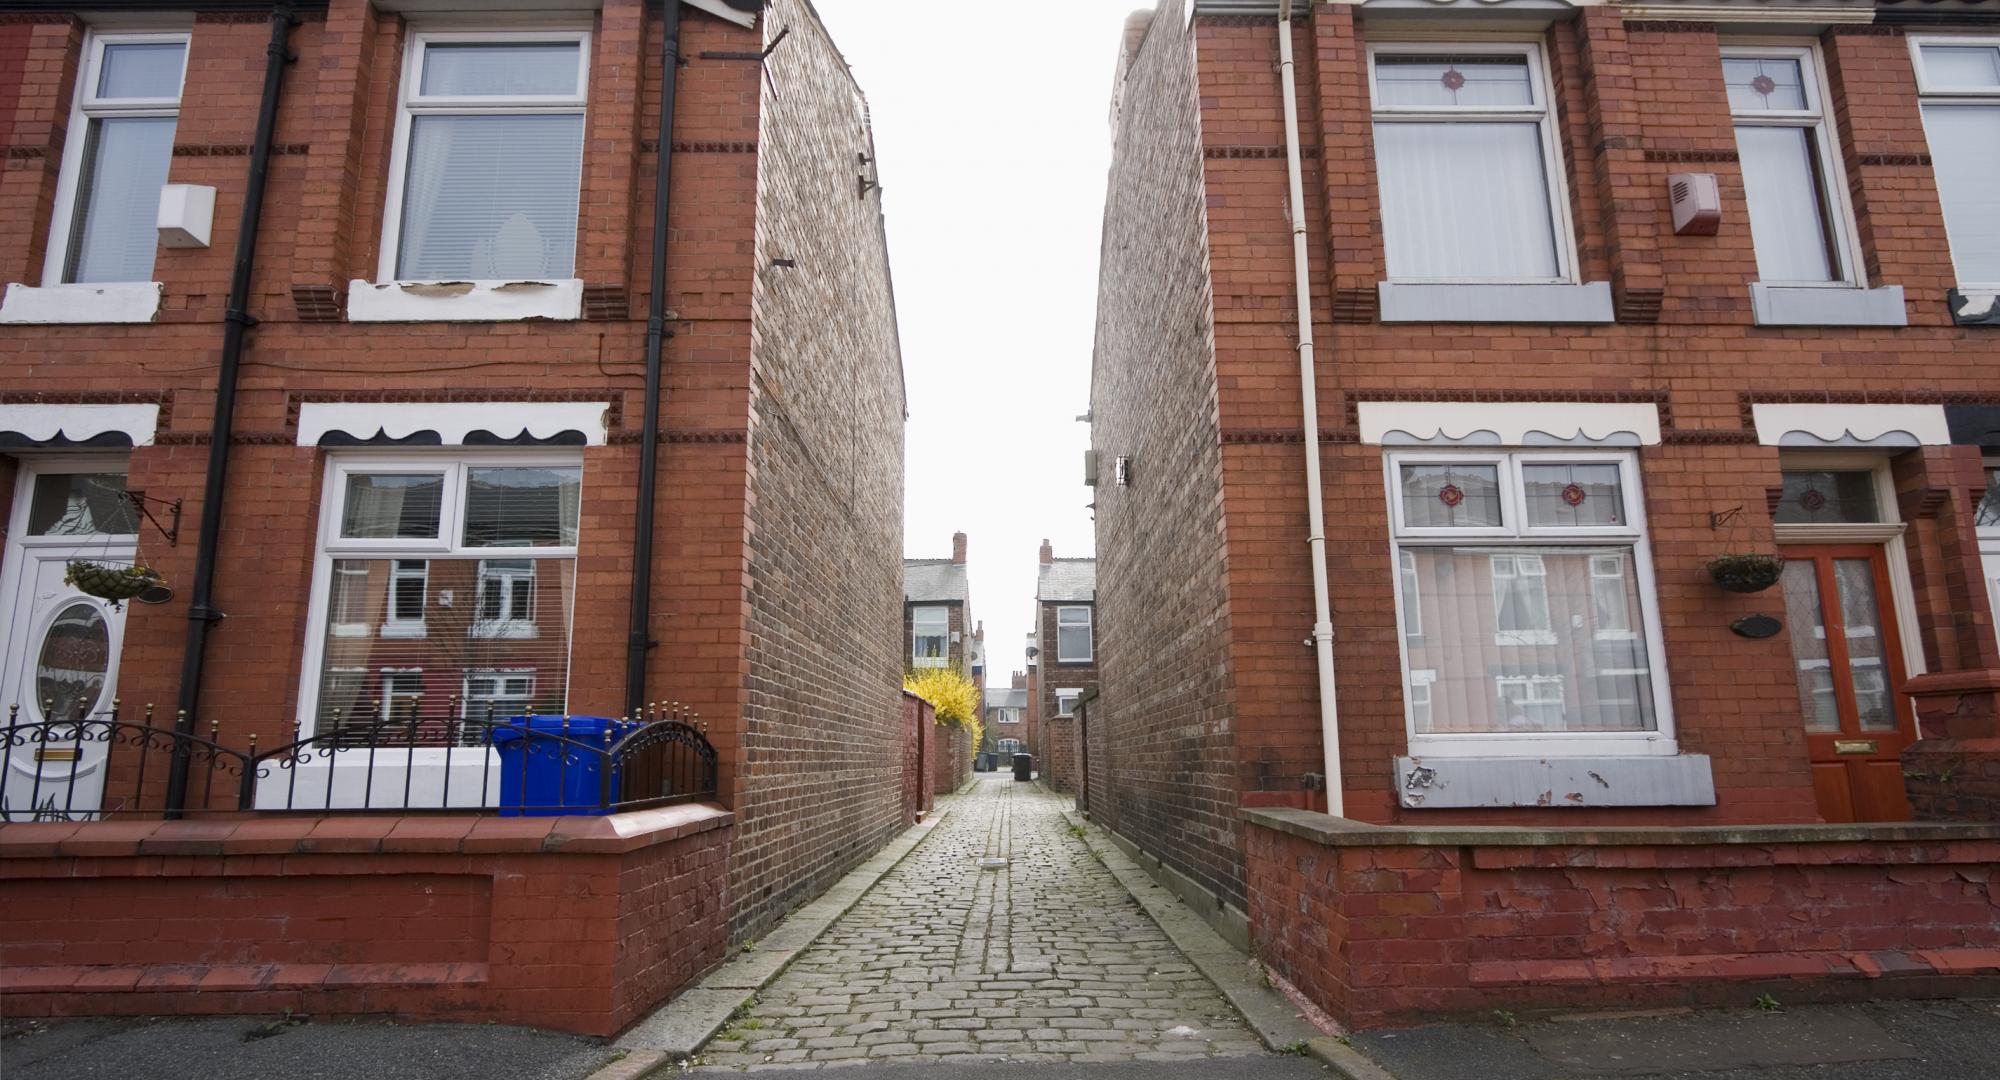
<point x="1057" y="761"/>
<point x="575" y="924"/>
<point x="952" y="767"/>
<point x="920" y="751"/>
<point x="1634" y="102"/>
<point x="781" y="402"/>
<point x="1165" y="621"/>
<point x="825" y="521"/>
<point x="1398" y="926"/>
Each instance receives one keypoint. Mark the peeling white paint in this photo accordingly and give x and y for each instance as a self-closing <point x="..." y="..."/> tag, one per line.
<point x="119" y="302"/>
<point x="464" y="301"/>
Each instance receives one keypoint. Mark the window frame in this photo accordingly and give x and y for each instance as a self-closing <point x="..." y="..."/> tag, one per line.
<point x="1073" y="694"/>
<point x="1540" y="80"/>
<point x="1089" y="634"/>
<point x="1817" y="120"/>
<point x="943" y="622"/>
<point x="329" y="547"/>
<point x="1953" y="95"/>
<point x="1662" y="740"/>
<point x="410" y="103"/>
<point x="85" y="109"/>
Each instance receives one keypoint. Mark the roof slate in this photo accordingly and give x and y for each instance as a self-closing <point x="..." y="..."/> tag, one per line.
<point x="1068" y="579"/>
<point x="934" y="580"/>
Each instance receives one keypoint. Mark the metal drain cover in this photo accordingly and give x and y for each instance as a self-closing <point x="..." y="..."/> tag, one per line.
<point x="992" y="864"/>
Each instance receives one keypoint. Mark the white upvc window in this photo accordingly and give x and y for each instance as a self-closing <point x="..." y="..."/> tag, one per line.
<point x="105" y="227"/>
<point x="488" y="158"/>
<point x="1959" y="80"/>
<point x="1073" y="640"/>
<point x="1469" y="167"/>
<point x="930" y="637"/>
<point x="419" y="547"/>
<point x="1793" y="186"/>
<point x="1066" y="700"/>
<point x="1543" y="636"/>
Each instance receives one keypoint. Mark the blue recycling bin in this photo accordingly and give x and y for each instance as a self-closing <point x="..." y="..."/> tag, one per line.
<point x="548" y="777"/>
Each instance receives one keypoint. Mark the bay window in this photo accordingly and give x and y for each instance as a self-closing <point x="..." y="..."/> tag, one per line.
<point x="1468" y="168"/>
<point x="459" y="576"/>
<point x="1539" y="633"/>
<point x="488" y="157"/>
<point x="1958" y="79"/>
<point x="1791" y="174"/>
<point x="115" y="160"/>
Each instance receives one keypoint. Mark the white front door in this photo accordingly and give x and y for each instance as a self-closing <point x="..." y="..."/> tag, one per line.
<point x="59" y="649"/>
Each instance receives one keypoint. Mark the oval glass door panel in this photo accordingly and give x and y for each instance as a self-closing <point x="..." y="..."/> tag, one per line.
<point x="75" y="658"/>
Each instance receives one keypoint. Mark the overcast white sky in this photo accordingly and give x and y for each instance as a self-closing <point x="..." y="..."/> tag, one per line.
<point x="990" y="125"/>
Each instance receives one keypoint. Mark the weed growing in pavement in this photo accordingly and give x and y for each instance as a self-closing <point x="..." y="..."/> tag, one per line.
<point x="1505" y="1018"/>
<point x="1295" y="1049"/>
<point x="1077" y="831"/>
<point x="1767" y="1003"/>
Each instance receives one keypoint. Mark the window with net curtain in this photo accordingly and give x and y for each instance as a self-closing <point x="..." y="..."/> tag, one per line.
<point x="1960" y="83"/>
<point x="1073" y="644"/>
<point x="930" y="631"/>
<point x="1785" y="143"/>
<point x="493" y="159"/>
<point x="449" y="593"/>
<point x="1463" y="162"/>
<point x="1521" y="600"/>
<point x="130" y="104"/>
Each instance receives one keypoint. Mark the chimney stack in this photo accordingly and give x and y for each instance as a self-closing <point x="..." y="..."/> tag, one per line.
<point x="1020" y="680"/>
<point x="958" y="549"/>
<point x="1048" y="553"/>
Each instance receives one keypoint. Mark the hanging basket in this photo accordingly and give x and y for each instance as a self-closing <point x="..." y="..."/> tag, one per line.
<point x="1747" y="573"/>
<point x="114" y="583"/>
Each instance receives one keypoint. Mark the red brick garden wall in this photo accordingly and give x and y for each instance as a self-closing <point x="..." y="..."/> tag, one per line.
<point x="1057" y="759"/>
<point x="952" y="766"/>
<point x="575" y="924"/>
<point x="1395" y="926"/>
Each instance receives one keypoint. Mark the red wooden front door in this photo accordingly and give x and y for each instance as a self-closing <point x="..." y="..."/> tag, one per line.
<point x="1849" y="666"/>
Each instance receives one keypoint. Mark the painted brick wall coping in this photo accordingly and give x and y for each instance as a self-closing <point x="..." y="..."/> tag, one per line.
<point x="363" y="834"/>
<point x="1346" y="832"/>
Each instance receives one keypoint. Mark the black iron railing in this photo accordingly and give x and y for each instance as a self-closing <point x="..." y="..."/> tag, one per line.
<point x="105" y="766"/>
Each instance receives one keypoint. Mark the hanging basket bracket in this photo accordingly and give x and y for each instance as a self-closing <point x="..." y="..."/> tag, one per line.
<point x="172" y="510"/>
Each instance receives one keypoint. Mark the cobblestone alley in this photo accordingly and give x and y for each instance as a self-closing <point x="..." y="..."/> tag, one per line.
<point x="1045" y="959"/>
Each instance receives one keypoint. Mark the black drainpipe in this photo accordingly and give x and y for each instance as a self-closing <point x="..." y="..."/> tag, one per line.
<point x="639" y="637"/>
<point x="201" y="615"/>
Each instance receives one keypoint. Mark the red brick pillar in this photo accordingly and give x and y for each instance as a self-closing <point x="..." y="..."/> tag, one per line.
<point x="1953" y="771"/>
<point x="1630" y="194"/>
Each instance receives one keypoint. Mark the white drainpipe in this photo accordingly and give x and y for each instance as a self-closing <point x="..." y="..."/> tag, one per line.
<point x="1329" y="708"/>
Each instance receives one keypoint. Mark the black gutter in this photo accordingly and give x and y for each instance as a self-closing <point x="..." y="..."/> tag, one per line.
<point x="639" y="637"/>
<point x="201" y="593"/>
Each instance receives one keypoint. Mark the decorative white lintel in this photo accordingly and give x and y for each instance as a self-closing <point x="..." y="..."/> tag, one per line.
<point x="464" y="301"/>
<point x="1818" y="425"/>
<point x="721" y="10"/>
<point x="1511" y="423"/>
<point x="453" y="422"/>
<point x="60" y="424"/>
<point x="1757" y="12"/>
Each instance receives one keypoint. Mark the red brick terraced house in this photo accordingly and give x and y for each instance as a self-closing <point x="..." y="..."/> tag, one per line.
<point x="1065" y="663"/>
<point x="1442" y="349"/>
<point x="444" y="364"/>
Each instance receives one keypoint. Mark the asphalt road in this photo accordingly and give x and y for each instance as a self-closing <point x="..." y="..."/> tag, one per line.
<point x="258" y="1048"/>
<point x="1917" y="1040"/>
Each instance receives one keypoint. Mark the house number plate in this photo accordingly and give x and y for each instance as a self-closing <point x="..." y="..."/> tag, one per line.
<point x="56" y="753"/>
<point x="1854" y="746"/>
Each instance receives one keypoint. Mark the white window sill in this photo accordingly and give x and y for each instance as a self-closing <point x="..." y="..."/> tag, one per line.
<point x="120" y="302"/>
<point x="505" y="630"/>
<point x="1495" y="303"/>
<point x="404" y="630"/>
<point x="1433" y="782"/>
<point x="1975" y="306"/>
<point x="464" y="301"/>
<point x="1809" y="305"/>
<point x="1524" y="637"/>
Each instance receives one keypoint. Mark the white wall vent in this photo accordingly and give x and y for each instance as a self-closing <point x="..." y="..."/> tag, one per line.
<point x="1697" y="203"/>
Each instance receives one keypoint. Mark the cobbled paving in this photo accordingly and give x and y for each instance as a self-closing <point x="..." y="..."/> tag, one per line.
<point x="1046" y="959"/>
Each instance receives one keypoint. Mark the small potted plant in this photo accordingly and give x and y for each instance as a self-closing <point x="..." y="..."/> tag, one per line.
<point x="110" y="582"/>
<point x="1747" y="572"/>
